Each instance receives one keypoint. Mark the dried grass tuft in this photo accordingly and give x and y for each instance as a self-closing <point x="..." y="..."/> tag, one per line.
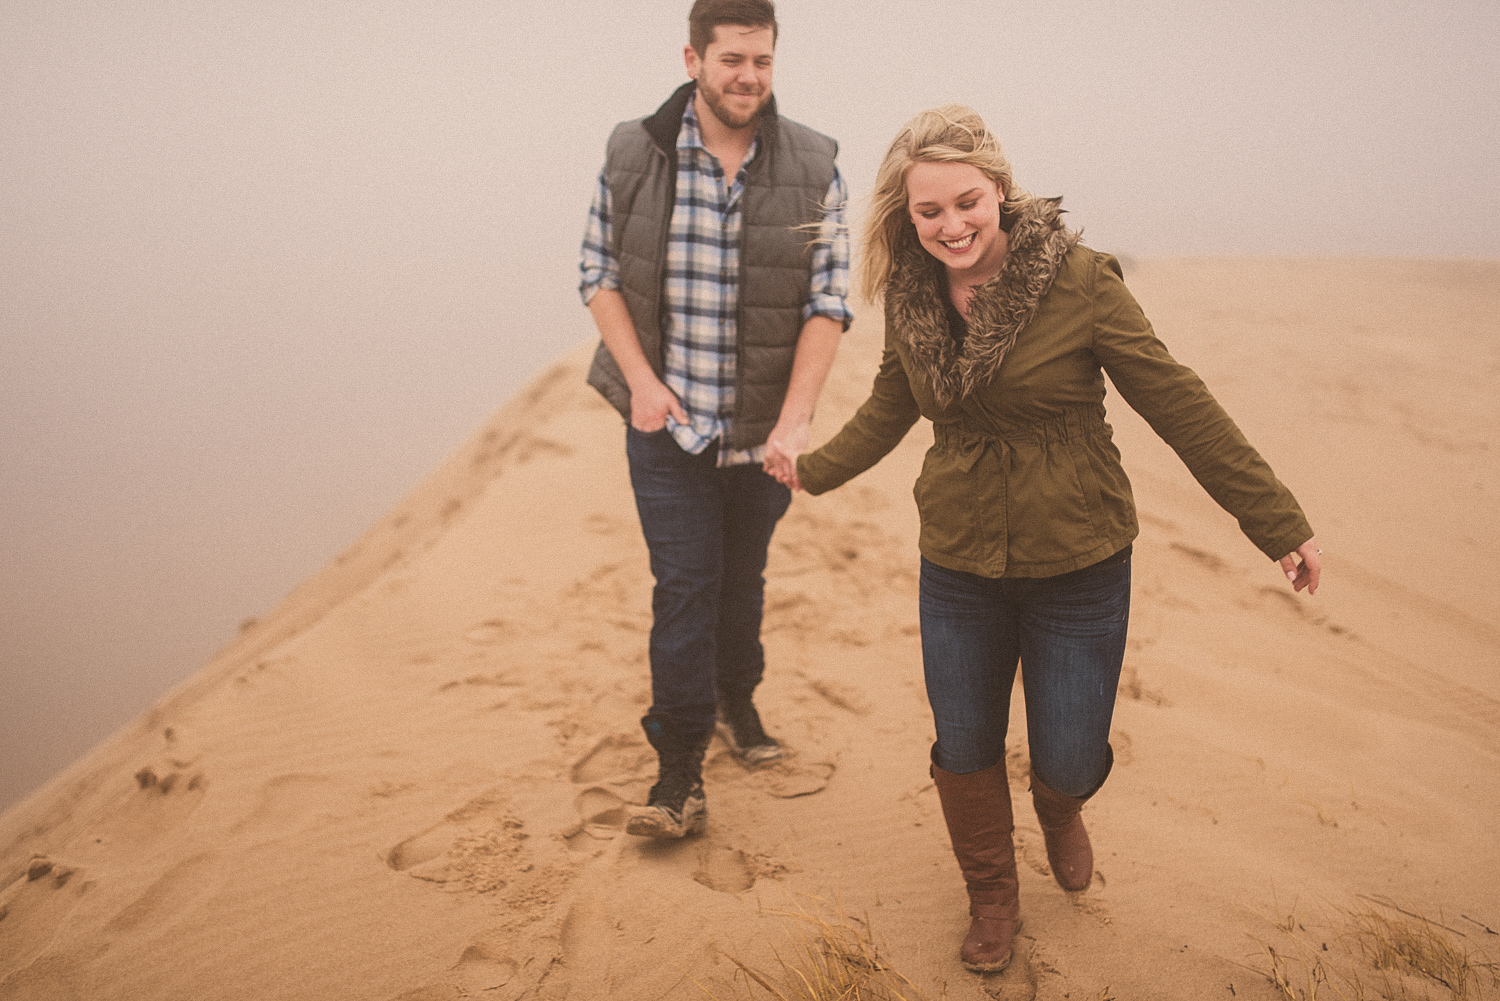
<point x="1376" y="949"/>
<point x="831" y="959"/>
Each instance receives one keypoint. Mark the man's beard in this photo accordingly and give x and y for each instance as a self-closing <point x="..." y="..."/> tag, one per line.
<point x="715" y="101"/>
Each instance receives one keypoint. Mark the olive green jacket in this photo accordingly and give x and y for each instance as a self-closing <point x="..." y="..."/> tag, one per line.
<point x="1023" y="478"/>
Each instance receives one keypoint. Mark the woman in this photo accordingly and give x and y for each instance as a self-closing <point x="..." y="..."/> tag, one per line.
<point x="999" y="327"/>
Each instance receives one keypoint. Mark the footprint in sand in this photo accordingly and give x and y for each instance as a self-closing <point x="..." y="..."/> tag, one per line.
<point x="787" y="778"/>
<point x="616" y="758"/>
<point x="790" y="779"/>
<point x="485" y="965"/>
<point x="727" y="870"/>
<point x="33" y="907"/>
<point x="1083" y="903"/>
<point x="587" y="938"/>
<point x="600" y="811"/>
<point x="1018" y="981"/>
<point x="422" y="848"/>
<point x="479" y="848"/>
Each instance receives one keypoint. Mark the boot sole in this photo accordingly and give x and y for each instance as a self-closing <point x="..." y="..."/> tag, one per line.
<point x="657" y="822"/>
<point x="988" y="967"/>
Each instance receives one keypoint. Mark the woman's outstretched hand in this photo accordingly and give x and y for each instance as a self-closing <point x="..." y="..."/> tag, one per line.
<point x="1306" y="573"/>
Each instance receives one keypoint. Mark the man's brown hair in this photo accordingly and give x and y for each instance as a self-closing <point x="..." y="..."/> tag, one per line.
<point x="707" y="15"/>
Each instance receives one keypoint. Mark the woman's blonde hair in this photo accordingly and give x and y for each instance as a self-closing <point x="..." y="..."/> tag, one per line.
<point x="953" y="133"/>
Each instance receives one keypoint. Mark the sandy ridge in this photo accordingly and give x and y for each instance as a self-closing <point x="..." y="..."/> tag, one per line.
<point x="408" y="781"/>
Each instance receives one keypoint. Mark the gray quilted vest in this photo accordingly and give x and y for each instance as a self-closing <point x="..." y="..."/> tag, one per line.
<point x="784" y="188"/>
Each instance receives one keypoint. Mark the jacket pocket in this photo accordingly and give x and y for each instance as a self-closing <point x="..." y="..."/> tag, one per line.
<point x="1112" y="505"/>
<point x="1049" y="509"/>
<point x="1088" y="484"/>
<point x="951" y="510"/>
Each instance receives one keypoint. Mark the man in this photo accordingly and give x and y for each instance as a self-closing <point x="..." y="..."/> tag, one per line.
<point x="716" y="267"/>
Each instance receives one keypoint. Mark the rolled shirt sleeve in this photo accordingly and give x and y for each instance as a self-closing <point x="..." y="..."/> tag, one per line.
<point x="597" y="266"/>
<point x="829" y="293"/>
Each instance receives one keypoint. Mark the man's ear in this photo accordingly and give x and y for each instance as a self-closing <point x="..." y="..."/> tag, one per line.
<point x="690" y="59"/>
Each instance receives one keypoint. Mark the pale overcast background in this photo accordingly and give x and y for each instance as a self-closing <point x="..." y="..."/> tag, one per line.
<point x="263" y="265"/>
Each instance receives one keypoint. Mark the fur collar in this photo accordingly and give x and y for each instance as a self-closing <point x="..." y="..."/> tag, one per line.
<point x="1001" y="308"/>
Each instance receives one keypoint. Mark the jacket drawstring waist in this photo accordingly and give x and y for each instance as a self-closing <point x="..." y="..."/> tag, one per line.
<point x="1082" y="421"/>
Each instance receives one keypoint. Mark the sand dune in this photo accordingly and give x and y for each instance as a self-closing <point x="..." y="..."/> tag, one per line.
<point x="407" y="782"/>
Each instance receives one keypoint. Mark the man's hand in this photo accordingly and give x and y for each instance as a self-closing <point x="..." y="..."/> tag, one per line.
<point x="816" y="345"/>
<point x="1306" y="573"/>
<point x="650" y="404"/>
<point x="787" y="441"/>
<point x="650" y="399"/>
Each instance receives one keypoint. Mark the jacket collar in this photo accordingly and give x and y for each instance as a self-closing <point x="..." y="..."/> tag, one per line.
<point x="999" y="311"/>
<point x="664" y="124"/>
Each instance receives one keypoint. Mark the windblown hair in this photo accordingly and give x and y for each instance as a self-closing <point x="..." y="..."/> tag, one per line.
<point x="707" y="15"/>
<point x="953" y="133"/>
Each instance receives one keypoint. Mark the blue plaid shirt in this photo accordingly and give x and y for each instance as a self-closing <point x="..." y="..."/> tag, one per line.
<point x="701" y="290"/>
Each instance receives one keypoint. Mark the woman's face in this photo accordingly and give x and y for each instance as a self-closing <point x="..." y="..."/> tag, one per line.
<point x="956" y="210"/>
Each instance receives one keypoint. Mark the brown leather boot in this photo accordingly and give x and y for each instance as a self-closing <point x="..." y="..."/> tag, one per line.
<point x="1068" y="850"/>
<point x="977" y="810"/>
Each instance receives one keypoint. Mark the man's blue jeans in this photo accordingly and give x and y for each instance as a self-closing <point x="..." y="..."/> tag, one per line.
<point x="1068" y="634"/>
<point x="708" y="530"/>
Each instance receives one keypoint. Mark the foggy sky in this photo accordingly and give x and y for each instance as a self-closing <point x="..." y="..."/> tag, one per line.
<point x="264" y="264"/>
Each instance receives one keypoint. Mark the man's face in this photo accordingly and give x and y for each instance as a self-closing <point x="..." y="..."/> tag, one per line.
<point x="734" y="75"/>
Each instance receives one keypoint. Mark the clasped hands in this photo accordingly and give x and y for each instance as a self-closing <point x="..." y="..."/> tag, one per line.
<point x="786" y="442"/>
<point x="652" y="402"/>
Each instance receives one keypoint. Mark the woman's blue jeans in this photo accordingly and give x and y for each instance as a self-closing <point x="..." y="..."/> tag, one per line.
<point x="1067" y="633"/>
<point x="708" y="530"/>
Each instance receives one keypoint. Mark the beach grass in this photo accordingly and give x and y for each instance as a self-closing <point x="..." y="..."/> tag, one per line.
<point x="831" y="956"/>
<point x="1377" y="948"/>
